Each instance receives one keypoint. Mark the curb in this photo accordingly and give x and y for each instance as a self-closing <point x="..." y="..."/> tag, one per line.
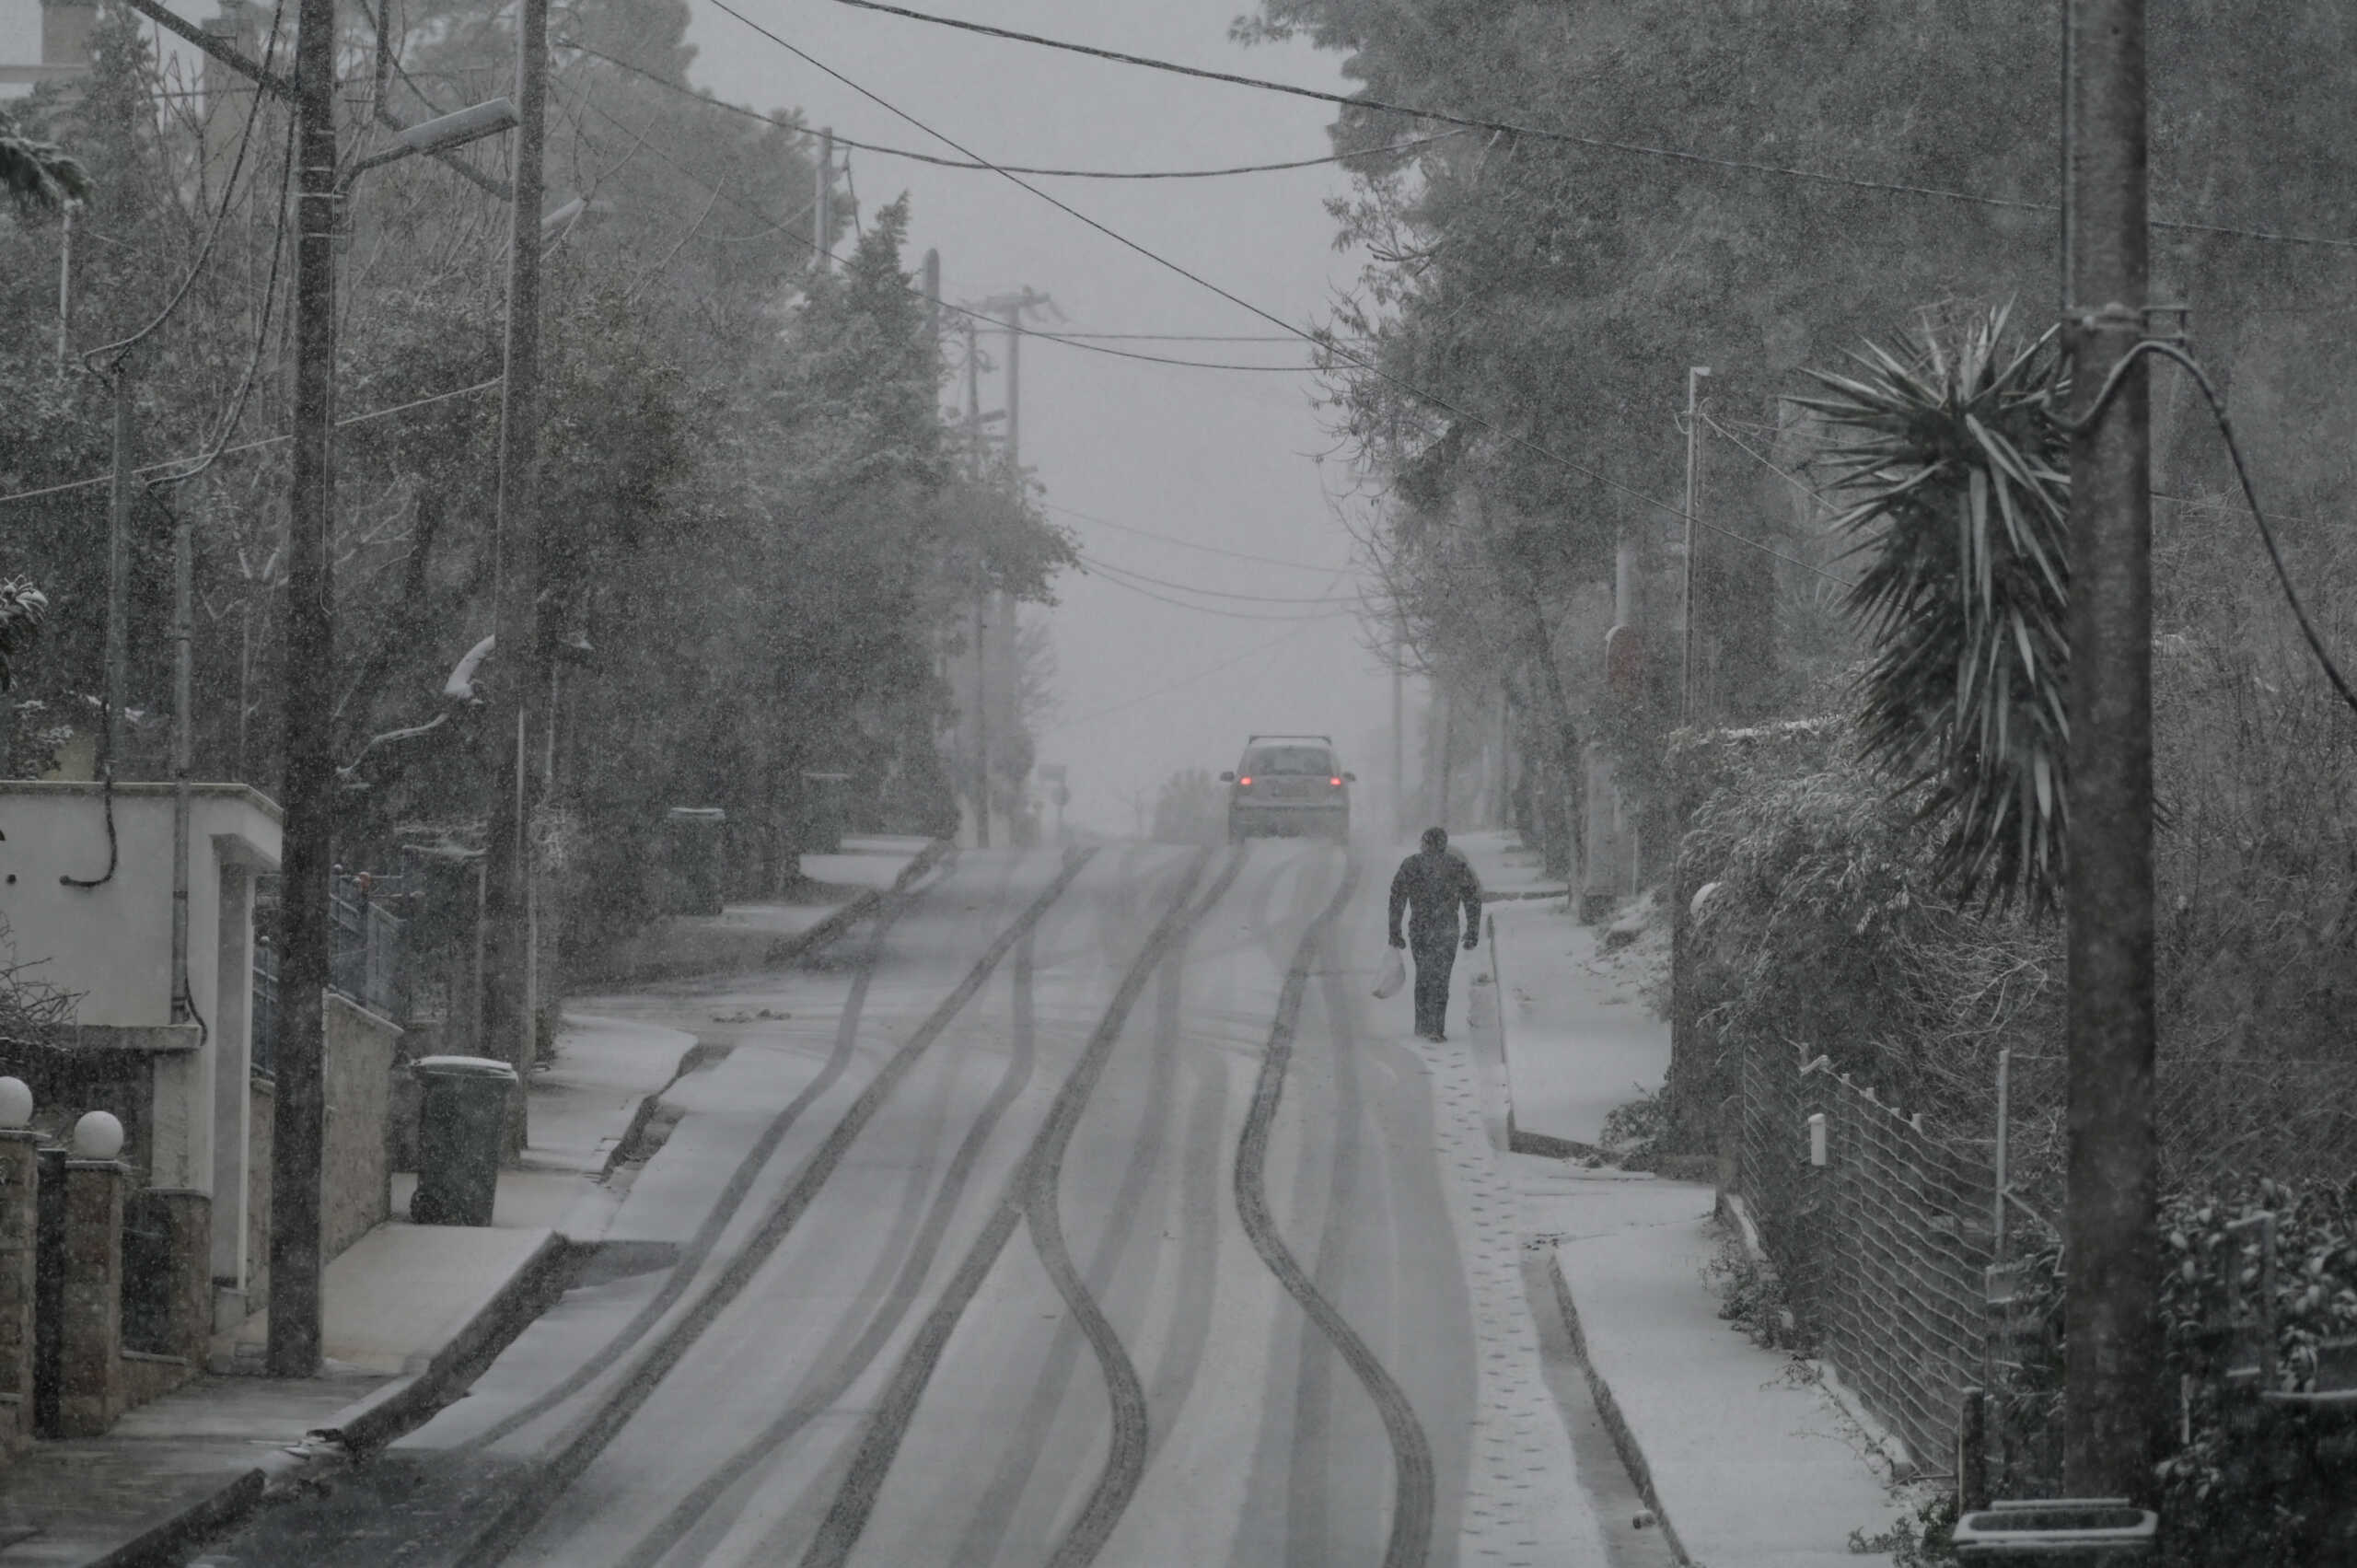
<point x="783" y="950"/>
<point x="167" y="1543"/>
<point x="1517" y="1141"/>
<point x="370" y="1422"/>
<point x="851" y="913"/>
<point x="1624" y="1439"/>
<point x="404" y="1404"/>
<point x="695" y="1056"/>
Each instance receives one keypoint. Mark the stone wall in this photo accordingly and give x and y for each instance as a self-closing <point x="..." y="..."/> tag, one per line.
<point x="258" y="1168"/>
<point x="357" y="1169"/>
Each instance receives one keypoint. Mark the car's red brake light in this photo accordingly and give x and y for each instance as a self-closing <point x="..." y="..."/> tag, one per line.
<point x="1244" y="782"/>
<point x="1335" y="782"/>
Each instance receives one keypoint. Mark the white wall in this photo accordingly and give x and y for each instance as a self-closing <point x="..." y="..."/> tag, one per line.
<point x="19" y="33"/>
<point x="112" y="943"/>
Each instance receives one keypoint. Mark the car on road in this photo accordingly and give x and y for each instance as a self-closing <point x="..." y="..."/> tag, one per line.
<point x="1288" y="783"/>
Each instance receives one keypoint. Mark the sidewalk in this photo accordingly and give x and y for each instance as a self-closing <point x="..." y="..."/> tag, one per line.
<point x="835" y="890"/>
<point x="409" y="1314"/>
<point x="1746" y="1457"/>
<point x="1581" y="1037"/>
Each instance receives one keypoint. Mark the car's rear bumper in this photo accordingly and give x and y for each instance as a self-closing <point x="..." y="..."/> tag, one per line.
<point x="1288" y="816"/>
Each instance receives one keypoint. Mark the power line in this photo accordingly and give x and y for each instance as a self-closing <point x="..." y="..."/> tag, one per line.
<point x="991" y="322"/>
<point x="1225" y="614"/>
<point x="1115" y="569"/>
<point x="1606" y="143"/>
<point x="121" y="350"/>
<point x="1190" y="544"/>
<point x="1181" y="684"/>
<point x="1786" y="475"/>
<point x="1200" y="337"/>
<point x="256" y="445"/>
<point x="842" y="141"/>
<point x="1331" y="346"/>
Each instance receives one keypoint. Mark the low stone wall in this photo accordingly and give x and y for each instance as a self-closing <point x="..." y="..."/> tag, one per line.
<point x="260" y="1146"/>
<point x="357" y="1180"/>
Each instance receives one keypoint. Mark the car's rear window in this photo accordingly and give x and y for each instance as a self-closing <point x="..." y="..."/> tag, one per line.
<point x="1288" y="759"/>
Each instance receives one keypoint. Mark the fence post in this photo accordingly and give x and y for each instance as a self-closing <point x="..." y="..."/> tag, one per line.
<point x="89" y="1366"/>
<point x="2004" y="1094"/>
<point x="1972" y="1453"/>
<point x="19" y="1224"/>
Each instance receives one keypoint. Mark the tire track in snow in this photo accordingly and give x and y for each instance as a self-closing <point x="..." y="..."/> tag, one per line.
<point x="732" y="1197"/>
<point x="551" y="1478"/>
<point x="1410" y="1543"/>
<point x="854" y="1500"/>
<point x="818" y="1393"/>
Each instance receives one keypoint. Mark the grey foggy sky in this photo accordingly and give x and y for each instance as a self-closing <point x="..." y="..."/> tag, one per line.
<point x="1220" y="459"/>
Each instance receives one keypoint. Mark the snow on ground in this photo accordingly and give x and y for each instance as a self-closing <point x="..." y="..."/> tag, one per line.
<point x="1754" y="1461"/>
<point x="1582" y="1035"/>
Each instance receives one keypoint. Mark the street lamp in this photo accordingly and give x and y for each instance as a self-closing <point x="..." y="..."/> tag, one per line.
<point x="307" y="788"/>
<point x="440" y="135"/>
<point x="559" y="224"/>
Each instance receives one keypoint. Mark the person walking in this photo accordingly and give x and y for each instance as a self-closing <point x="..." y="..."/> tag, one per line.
<point x="1433" y="885"/>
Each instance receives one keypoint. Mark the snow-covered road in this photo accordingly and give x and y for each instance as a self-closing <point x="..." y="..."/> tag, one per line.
<point x="1078" y="1211"/>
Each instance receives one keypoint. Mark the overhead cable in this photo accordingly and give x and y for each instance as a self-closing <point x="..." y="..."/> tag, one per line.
<point x="120" y="349"/>
<point x="843" y="141"/>
<point x="1179" y="684"/>
<point x="1330" y="345"/>
<point x="1190" y="544"/>
<point x="255" y="444"/>
<point x="1114" y="569"/>
<point x="991" y="322"/>
<point x="1535" y="133"/>
<point x="1227" y="614"/>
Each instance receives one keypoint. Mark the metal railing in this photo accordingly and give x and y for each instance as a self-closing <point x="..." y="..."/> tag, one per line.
<point x="1894" y="1253"/>
<point x="368" y="961"/>
<point x="1883" y="1250"/>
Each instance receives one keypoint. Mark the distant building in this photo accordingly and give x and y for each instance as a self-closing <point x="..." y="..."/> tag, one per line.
<point x="43" y="41"/>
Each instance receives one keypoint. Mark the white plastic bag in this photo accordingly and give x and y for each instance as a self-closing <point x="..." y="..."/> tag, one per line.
<point x="1481" y="1006"/>
<point x="1390" y="975"/>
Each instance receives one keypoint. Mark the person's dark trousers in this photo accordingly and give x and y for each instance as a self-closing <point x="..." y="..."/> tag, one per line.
<point x="1435" y="956"/>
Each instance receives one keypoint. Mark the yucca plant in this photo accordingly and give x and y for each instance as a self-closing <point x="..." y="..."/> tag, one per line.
<point x="21" y="609"/>
<point x="39" y="175"/>
<point x="1955" y="462"/>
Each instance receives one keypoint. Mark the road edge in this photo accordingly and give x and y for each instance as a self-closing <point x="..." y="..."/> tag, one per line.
<point x="367" y="1423"/>
<point x="785" y="949"/>
<point x="1624" y="1437"/>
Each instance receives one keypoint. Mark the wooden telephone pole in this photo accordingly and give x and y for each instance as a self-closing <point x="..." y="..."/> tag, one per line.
<point x="513" y="725"/>
<point x="308" y="784"/>
<point x="2112" y="1403"/>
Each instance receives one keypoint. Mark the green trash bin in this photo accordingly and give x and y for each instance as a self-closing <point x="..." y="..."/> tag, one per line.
<point x="462" y="1126"/>
<point x="2058" y="1531"/>
<point x="692" y="836"/>
<point x="826" y="812"/>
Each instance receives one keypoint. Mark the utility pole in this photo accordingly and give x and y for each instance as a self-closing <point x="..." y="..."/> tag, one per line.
<point x="1399" y="729"/>
<point x="118" y="676"/>
<point x="308" y="778"/>
<point x="932" y="295"/>
<point x="2111" y="1400"/>
<point x="65" y="287"/>
<point x="1693" y="539"/>
<point x="822" y="205"/>
<point x="508" y="992"/>
<point x="981" y="580"/>
<point x="1011" y="308"/>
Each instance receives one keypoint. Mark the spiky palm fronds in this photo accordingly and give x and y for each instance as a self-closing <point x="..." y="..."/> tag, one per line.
<point x="21" y="609"/>
<point x="1958" y="462"/>
<point x="39" y="175"/>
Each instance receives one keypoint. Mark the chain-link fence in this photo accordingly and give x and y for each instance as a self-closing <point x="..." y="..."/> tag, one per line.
<point x="2219" y="1118"/>
<point x="1883" y="1247"/>
<point x="1885" y="1229"/>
